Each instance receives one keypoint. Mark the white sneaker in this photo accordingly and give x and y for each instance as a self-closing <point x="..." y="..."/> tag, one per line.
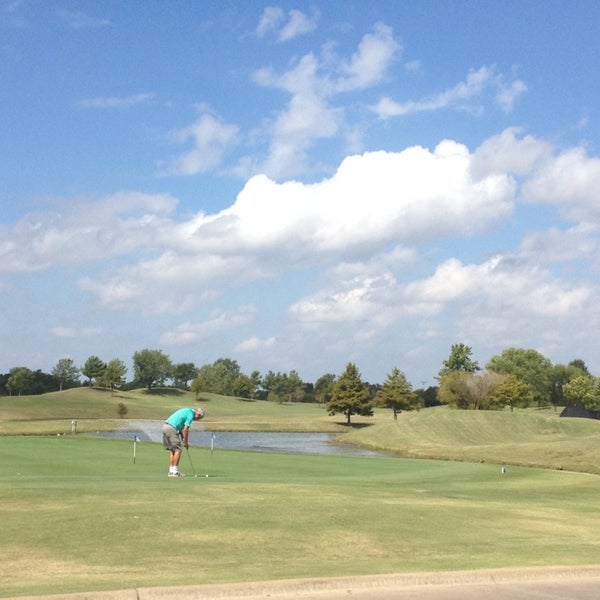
<point x="177" y="474"/>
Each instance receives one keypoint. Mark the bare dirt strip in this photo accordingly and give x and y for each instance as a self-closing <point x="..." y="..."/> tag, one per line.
<point x="547" y="583"/>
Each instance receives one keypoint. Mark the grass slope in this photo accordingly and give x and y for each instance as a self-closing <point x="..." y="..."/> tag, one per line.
<point x="98" y="410"/>
<point x="78" y="515"/>
<point x="525" y="437"/>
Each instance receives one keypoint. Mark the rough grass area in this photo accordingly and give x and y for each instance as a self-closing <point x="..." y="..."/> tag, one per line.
<point x="78" y="515"/>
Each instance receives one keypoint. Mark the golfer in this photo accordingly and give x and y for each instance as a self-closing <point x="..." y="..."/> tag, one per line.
<point x="176" y="431"/>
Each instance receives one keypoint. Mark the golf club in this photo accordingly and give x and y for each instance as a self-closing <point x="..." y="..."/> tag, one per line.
<point x="191" y="463"/>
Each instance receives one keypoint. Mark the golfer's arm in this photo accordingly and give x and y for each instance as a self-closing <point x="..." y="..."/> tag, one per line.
<point x="185" y="432"/>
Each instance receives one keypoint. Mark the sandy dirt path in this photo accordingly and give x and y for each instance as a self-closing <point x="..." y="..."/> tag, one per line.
<point x="548" y="583"/>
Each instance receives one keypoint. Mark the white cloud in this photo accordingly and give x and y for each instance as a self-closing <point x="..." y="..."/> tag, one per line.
<point x="211" y="139"/>
<point x="273" y="19"/>
<point x="509" y="93"/>
<point x="256" y="344"/>
<point x="84" y="231"/>
<point x="373" y="202"/>
<point x="507" y="153"/>
<point x="558" y="246"/>
<point x="500" y="287"/>
<point x="571" y="181"/>
<point x="216" y="323"/>
<point x="270" y="19"/>
<point x="310" y="115"/>
<point x="465" y="95"/>
<point x="371" y="61"/>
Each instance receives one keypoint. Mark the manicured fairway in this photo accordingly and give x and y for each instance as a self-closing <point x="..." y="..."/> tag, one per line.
<point x="78" y="515"/>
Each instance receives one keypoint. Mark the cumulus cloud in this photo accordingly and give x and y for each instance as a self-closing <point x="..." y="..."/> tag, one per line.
<point x="570" y="180"/>
<point x="373" y="199"/>
<point x="509" y="153"/>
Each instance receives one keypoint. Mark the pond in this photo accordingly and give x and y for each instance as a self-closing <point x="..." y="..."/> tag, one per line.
<point x="256" y="441"/>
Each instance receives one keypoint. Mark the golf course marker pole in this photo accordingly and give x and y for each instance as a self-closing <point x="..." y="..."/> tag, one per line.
<point x="136" y="439"/>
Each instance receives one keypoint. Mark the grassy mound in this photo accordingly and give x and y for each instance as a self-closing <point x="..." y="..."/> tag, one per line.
<point x="525" y="437"/>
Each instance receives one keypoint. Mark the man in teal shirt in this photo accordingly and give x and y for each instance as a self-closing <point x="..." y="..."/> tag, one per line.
<point x="176" y="431"/>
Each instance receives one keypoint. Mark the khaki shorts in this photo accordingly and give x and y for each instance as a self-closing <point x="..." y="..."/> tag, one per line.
<point x="171" y="438"/>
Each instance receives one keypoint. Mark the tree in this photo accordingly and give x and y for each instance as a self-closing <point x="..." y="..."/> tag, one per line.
<point x="578" y="363"/>
<point x="183" y="373"/>
<point x="560" y="375"/>
<point x="469" y="391"/>
<point x="350" y="395"/>
<point x="151" y="367"/>
<point x="459" y="360"/>
<point x="93" y="368"/>
<point x="283" y="387"/>
<point x="197" y="386"/>
<point x="396" y="393"/>
<point x="512" y="392"/>
<point x="324" y="388"/>
<point x="66" y="373"/>
<point x="530" y="367"/>
<point x="114" y="373"/>
<point x="583" y="391"/>
<point x="20" y="380"/>
<point x="220" y="377"/>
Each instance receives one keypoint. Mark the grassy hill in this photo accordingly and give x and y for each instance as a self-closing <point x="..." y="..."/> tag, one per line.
<point x="532" y="437"/>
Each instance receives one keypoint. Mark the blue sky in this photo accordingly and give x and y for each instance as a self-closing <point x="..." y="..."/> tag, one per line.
<point x="297" y="185"/>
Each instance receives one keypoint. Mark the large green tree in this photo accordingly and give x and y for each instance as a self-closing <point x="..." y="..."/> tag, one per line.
<point x="151" y="367"/>
<point x="66" y="373"/>
<point x="583" y="391"/>
<point x="459" y="360"/>
<point x="530" y="367"/>
<point x="512" y="392"/>
<point x="20" y="381"/>
<point x="114" y="374"/>
<point x="396" y="393"/>
<point x="183" y="373"/>
<point x="324" y="387"/>
<point x="350" y="395"/>
<point x="93" y="368"/>
<point x="284" y="387"/>
<point x="220" y="377"/>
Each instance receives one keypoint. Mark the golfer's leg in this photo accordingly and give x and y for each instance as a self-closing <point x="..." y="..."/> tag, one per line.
<point x="175" y="457"/>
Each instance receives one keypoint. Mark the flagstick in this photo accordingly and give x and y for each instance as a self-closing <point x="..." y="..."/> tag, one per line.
<point x="134" y="446"/>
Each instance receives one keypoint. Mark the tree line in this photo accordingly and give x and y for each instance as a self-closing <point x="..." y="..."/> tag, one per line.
<point x="515" y="378"/>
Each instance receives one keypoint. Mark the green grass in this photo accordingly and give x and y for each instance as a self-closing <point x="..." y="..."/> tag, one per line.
<point x="78" y="515"/>
<point x="539" y="438"/>
<point x="97" y="409"/>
